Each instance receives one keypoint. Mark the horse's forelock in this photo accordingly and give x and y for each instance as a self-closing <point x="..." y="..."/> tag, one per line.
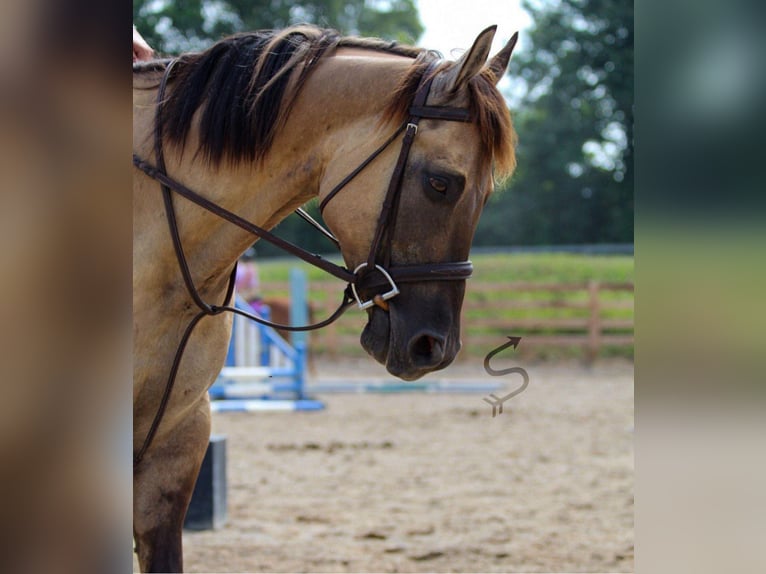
<point x="488" y="110"/>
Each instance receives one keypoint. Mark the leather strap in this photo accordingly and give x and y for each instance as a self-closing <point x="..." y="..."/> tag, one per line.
<point x="318" y="226"/>
<point x="364" y="164"/>
<point x="441" y="113"/>
<point x="182" y="190"/>
<point x="387" y="218"/>
<point x="457" y="271"/>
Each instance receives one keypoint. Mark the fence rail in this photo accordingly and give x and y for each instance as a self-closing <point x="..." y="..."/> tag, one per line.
<point x="585" y="318"/>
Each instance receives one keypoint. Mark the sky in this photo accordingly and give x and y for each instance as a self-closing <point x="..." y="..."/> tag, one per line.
<point x="451" y="24"/>
<point x="451" y="27"/>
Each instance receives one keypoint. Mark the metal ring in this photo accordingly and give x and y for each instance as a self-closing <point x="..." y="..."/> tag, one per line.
<point x="385" y="296"/>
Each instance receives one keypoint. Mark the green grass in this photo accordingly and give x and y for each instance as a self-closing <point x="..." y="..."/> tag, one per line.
<point x="499" y="270"/>
<point x="552" y="268"/>
<point x="533" y="267"/>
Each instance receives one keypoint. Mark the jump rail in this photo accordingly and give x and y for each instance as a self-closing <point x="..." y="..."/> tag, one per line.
<point x="263" y="372"/>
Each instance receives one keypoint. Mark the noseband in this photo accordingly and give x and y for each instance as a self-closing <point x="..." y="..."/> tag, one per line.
<point x="376" y="274"/>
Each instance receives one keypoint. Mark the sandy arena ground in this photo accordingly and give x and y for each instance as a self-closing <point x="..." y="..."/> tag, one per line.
<point x="431" y="482"/>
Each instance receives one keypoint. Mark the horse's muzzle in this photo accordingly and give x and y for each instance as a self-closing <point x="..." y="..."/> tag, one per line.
<point x="420" y="333"/>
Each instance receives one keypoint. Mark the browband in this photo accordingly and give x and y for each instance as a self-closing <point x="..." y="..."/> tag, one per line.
<point x="441" y="113"/>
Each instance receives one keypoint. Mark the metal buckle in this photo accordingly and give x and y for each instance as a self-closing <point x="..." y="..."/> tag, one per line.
<point x="414" y="127"/>
<point x="385" y="296"/>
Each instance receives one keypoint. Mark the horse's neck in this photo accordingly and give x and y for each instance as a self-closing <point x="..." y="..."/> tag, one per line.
<point x="292" y="170"/>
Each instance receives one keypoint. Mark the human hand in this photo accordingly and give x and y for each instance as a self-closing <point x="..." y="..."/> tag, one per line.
<point x="141" y="50"/>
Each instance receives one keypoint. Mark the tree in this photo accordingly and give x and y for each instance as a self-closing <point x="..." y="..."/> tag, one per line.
<point x="575" y="178"/>
<point x="174" y="26"/>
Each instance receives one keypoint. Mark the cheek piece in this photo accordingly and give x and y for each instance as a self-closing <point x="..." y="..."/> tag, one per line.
<point x="378" y="272"/>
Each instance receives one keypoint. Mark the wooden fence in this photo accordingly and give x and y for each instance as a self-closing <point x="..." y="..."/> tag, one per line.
<point x="575" y="319"/>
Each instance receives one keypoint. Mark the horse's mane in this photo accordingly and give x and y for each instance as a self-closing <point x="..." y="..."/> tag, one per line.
<point x="245" y="85"/>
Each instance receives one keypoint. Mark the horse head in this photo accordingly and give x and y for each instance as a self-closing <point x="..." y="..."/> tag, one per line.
<point x="444" y="183"/>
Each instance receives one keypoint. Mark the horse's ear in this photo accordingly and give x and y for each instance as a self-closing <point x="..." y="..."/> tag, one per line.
<point x="472" y="61"/>
<point x="499" y="63"/>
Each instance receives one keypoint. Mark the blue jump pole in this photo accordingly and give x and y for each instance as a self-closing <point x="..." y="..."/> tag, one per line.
<point x="265" y="341"/>
<point x="245" y="388"/>
<point x="299" y="316"/>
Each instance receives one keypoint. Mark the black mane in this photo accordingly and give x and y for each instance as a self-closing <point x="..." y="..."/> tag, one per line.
<point x="239" y="85"/>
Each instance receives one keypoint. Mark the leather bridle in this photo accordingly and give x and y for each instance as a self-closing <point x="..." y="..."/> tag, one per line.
<point x="378" y="272"/>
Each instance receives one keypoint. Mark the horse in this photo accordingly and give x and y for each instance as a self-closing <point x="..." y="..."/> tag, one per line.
<point x="401" y="148"/>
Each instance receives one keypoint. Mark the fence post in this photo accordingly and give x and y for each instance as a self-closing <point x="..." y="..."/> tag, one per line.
<point x="298" y="304"/>
<point x="299" y="316"/>
<point x="594" y="323"/>
<point x="207" y="509"/>
<point x="463" y="356"/>
<point x="329" y="333"/>
<point x="264" y="340"/>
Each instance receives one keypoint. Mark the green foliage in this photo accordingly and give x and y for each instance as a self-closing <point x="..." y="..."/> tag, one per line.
<point x="574" y="183"/>
<point x="173" y="26"/>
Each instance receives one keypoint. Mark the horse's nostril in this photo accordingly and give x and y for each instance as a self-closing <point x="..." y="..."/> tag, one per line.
<point x="423" y="346"/>
<point x="427" y="349"/>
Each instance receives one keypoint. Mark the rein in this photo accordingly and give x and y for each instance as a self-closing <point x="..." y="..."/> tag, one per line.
<point x="376" y="273"/>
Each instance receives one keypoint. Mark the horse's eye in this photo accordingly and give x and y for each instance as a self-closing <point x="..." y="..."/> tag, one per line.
<point x="438" y="184"/>
<point x="442" y="187"/>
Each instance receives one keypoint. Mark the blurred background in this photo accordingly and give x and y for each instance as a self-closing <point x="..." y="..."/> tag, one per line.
<point x="553" y="259"/>
<point x="65" y="184"/>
